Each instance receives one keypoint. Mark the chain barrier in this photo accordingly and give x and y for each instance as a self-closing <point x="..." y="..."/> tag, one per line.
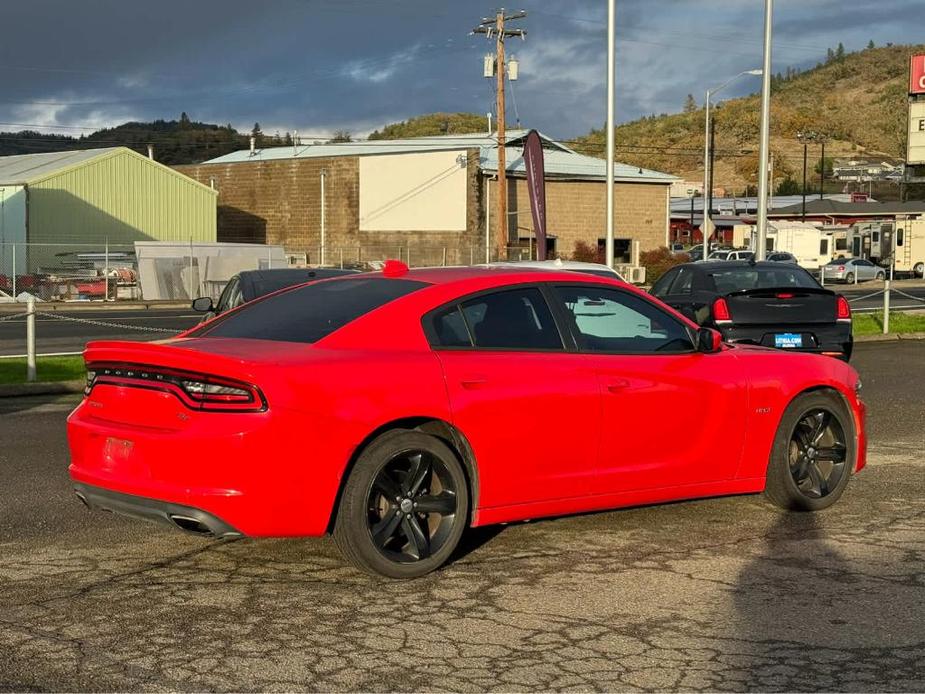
<point x="107" y="324"/>
<point x="866" y="296"/>
<point x="14" y="315"/>
<point x="909" y="296"/>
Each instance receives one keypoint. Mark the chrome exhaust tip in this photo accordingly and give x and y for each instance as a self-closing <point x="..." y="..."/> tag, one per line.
<point x="190" y="525"/>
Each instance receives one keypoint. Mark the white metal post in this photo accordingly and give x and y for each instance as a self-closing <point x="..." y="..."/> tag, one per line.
<point x="611" y="37"/>
<point x="191" y="294"/>
<point x="30" y="339"/>
<point x="14" y="272"/>
<point x="765" y="142"/>
<point x="323" y="211"/>
<point x="106" y="272"/>
<point x="886" y="302"/>
<point x="487" y="218"/>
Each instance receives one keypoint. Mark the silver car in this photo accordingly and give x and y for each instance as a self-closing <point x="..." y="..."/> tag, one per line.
<point x="852" y="270"/>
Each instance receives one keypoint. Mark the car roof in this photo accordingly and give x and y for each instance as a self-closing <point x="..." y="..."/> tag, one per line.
<point x="293" y="273"/>
<point x="709" y="265"/>
<point x="555" y="264"/>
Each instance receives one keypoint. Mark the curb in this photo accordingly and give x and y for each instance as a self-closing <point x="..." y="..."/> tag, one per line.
<point x="15" y="390"/>
<point x="889" y="336"/>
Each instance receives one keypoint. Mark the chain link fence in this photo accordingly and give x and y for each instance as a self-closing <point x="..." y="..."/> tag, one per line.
<point x="152" y="271"/>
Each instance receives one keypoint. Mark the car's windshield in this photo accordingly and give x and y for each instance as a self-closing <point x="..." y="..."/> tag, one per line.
<point x="310" y="312"/>
<point x="740" y="279"/>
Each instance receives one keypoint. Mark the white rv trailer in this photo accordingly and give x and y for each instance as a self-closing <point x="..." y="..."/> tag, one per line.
<point x="811" y="246"/>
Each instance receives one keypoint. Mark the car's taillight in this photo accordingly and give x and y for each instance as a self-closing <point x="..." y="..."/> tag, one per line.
<point x="721" y="311"/>
<point x="195" y="390"/>
<point x="842" y="309"/>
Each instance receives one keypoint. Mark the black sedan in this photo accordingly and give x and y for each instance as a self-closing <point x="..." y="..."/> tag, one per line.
<point x="762" y="303"/>
<point x="250" y="284"/>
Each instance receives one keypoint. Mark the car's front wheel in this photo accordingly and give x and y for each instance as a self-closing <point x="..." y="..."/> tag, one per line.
<point x="881" y="275"/>
<point x="814" y="453"/>
<point x="404" y="507"/>
<point x="919" y="269"/>
<point x="849" y="278"/>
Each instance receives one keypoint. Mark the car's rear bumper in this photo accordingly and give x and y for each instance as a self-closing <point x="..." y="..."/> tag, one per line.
<point x="833" y="340"/>
<point x="187" y="518"/>
<point x="249" y="471"/>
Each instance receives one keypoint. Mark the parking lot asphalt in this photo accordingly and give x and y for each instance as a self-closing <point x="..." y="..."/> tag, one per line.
<point x="718" y="594"/>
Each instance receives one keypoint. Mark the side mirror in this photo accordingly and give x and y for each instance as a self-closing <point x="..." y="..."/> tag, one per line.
<point x="709" y="340"/>
<point x="203" y="304"/>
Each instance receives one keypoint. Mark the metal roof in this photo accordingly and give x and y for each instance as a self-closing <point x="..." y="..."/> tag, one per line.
<point x="571" y="165"/>
<point x="853" y="209"/>
<point x="436" y="143"/>
<point x="20" y="169"/>
<point x="745" y="204"/>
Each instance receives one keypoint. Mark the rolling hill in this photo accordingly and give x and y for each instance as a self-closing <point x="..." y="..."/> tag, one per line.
<point x="858" y="100"/>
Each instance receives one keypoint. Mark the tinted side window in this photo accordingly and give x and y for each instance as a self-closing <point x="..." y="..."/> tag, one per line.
<point x="513" y="319"/>
<point x="682" y="282"/>
<point x="224" y="301"/>
<point x="607" y="320"/>
<point x="310" y="312"/>
<point x="660" y="288"/>
<point x="450" y="328"/>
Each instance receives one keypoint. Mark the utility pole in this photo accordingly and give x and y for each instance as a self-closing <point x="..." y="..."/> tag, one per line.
<point x="764" y="149"/>
<point x="822" y="139"/>
<point x="611" y="136"/>
<point x="495" y="27"/>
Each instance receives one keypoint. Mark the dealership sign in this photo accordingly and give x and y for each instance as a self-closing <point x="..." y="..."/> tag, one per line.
<point x="917" y="75"/>
<point x="915" y="154"/>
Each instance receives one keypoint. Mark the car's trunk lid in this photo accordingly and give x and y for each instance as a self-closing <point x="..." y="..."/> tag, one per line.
<point x="784" y="306"/>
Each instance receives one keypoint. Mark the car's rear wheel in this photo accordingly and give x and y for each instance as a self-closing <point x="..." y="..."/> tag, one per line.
<point x="404" y="507"/>
<point x="814" y="453"/>
<point x="849" y="278"/>
<point x="881" y="275"/>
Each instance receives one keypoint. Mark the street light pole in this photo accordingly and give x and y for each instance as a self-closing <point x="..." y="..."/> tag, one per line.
<point x="765" y="142"/>
<point x="611" y="37"/>
<point x="707" y="224"/>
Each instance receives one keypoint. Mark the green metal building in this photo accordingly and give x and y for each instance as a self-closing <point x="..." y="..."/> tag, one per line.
<point x="94" y="198"/>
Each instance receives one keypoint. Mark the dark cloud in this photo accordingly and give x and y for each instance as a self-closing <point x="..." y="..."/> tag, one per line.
<point x="318" y="65"/>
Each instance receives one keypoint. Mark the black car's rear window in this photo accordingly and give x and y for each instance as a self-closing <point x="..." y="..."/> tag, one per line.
<point x="744" y="278"/>
<point x="308" y="313"/>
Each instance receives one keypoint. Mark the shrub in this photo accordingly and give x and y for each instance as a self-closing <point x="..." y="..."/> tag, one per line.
<point x="586" y="253"/>
<point x="658" y="261"/>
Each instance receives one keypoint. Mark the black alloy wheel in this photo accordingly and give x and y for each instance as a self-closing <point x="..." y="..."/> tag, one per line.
<point x="404" y="506"/>
<point x="813" y="454"/>
<point x="818" y="453"/>
<point x="411" y="506"/>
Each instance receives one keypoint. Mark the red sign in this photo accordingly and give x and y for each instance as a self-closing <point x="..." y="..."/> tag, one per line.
<point x="917" y="75"/>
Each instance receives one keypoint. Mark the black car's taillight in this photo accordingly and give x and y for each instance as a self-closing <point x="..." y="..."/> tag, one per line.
<point x="721" y="311"/>
<point x="197" y="391"/>
<point x="842" y="309"/>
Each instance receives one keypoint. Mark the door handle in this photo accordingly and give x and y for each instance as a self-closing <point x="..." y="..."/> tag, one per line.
<point x="617" y="385"/>
<point x="473" y="382"/>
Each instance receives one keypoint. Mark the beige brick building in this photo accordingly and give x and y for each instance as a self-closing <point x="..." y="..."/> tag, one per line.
<point x="429" y="200"/>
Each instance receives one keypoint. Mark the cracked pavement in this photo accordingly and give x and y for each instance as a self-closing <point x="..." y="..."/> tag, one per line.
<point x="717" y="594"/>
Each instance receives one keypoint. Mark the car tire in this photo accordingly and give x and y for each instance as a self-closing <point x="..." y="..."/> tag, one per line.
<point x="814" y="453"/>
<point x="849" y="278"/>
<point x="881" y="275"/>
<point x="919" y="270"/>
<point x="380" y="526"/>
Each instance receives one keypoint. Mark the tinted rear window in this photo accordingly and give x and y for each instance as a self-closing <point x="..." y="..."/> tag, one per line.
<point x="740" y="279"/>
<point x="309" y="313"/>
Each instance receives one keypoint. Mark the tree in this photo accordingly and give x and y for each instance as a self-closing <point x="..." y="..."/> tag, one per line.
<point x="184" y="121"/>
<point x="829" y="56"/>
<point x="828" y="166"/>
<point x="788" y="187"/>
<point x="690" y="104"/>
<point x="870" y="44"/>
<point x="341" y="136"/>
<point x="840" y="51"/>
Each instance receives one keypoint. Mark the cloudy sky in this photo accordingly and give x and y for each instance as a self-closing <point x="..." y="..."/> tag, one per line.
<point x="320" y="65"/>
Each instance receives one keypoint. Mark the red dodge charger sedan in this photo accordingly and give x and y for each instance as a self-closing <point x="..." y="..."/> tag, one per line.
<point x="396" y="409"/>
